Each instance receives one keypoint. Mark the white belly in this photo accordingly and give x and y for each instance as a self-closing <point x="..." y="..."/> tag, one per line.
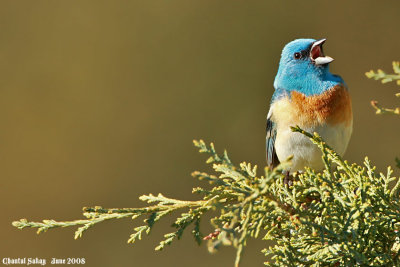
<point x="304" y="152"/>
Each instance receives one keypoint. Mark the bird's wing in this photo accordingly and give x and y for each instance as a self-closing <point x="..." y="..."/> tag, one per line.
<point x="272" y="158"/>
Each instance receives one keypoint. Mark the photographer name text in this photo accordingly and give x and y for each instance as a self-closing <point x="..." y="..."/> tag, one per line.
<point x="42" y="261"/>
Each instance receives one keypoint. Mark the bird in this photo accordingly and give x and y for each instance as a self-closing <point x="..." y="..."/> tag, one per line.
<point x="307" y="95"/>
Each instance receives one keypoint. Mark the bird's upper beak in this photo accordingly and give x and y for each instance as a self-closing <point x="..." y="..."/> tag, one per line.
<point x="317" y="55"/>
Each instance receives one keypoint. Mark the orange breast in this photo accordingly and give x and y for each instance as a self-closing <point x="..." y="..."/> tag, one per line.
<point x="333" y="107"/>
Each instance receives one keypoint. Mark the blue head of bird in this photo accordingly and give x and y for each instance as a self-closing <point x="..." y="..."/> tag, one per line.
<point x="303" y="67"/>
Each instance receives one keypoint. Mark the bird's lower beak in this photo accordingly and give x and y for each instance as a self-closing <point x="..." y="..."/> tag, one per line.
<point x="317" y="55"/>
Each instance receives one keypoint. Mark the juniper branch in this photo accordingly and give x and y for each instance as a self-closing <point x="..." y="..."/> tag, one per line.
<point x="344" y="216"/>
<point x="386" y="78"/>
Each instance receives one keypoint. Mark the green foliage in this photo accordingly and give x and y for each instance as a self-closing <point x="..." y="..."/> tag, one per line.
<point x="343" y="216"/>
<point x="385" y="78"/>
<point x="351" y="216"/>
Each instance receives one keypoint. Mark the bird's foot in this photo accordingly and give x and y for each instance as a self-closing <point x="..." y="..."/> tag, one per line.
<point x="288" y="180"/>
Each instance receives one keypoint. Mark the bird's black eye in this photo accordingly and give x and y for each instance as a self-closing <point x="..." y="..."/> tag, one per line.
<point x="297" y="55"/>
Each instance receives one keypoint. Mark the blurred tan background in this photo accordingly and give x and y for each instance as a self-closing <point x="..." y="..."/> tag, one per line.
<point x="100" y="100"/>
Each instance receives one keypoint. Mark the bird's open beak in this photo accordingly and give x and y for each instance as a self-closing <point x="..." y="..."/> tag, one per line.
<point x="317" y="55"/>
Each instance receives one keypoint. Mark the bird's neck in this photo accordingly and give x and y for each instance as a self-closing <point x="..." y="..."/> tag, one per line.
<point x="307" y="82"/>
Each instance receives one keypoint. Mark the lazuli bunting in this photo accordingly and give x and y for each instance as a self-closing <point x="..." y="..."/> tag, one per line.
<point x="308" y="95"/>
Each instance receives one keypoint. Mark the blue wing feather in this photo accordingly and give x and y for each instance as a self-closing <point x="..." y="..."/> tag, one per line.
<point x="272" y="158"/>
